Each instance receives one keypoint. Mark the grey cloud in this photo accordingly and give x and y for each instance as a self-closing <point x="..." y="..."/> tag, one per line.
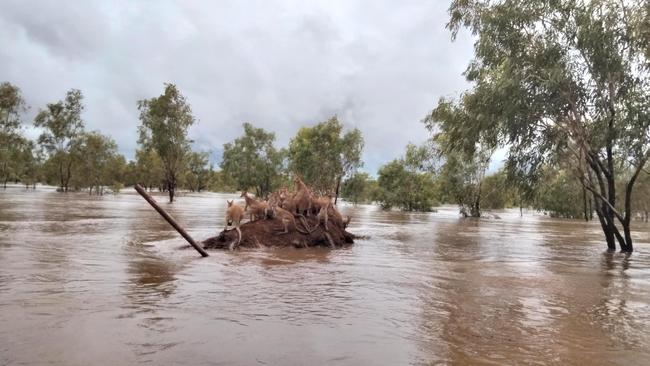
<point x="380" y="66"/>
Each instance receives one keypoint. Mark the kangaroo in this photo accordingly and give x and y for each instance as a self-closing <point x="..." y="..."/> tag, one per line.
<point x="320" y="202"/>
<point x="258" y="210"/>
<point x="234" y="215"/>
<point x="287" y="218"/>
<point x="302" y="198"/>
<point x="323" y="214"/>
<point x="287" y="201"/>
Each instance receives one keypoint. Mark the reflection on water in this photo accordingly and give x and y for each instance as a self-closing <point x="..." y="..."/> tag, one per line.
<point x="96" y="280"/>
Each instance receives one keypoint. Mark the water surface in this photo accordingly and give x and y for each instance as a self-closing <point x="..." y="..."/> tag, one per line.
<point x="101" y="280"/>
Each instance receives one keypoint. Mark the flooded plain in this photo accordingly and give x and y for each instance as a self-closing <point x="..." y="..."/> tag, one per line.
<point x="104" y="281"/>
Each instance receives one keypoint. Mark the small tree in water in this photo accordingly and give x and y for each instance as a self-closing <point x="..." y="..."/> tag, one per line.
<point x="165" y="121"/>
<point x="12" y="105"/>
<point x="557" y="77"/>
<point x="63" y="126"/>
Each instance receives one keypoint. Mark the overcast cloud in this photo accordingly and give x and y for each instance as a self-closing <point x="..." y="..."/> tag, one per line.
<point x="379" y="65"/>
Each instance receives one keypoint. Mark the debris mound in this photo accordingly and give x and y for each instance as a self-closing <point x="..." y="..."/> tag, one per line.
<point x="268" y="232"/>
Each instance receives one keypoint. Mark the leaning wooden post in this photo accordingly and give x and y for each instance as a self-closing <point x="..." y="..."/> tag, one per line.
<point x="170" y="219"/>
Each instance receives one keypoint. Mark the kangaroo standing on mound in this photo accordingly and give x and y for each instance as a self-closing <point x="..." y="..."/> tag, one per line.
<point x="258" y="210"/>
<point x="287" y="218"/>
<point x="287" y="201"/>
<point x="302" y="198"/>
<point x="317" y="203"/>
<point x="234" y="215"/>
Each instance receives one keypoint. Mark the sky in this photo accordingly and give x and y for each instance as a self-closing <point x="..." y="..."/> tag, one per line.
<point x="379" y="66"/>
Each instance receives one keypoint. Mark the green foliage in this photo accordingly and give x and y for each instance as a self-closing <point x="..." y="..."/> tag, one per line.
<point x="497" y="192"/>
<point x="11" y="105"/>
<point x="164" y="124"/>
<point x="461" y="175"/>
<point x="560" y="195"/>
<point x="220" y="182"/>
<point x="148" y="169"/>
<point x="567" y="78"/>
<point x="404" y="184"/>
<point x="322" y="155"/>
<point x="198" y="171"/>
<point x="11" y="141"/>
<point x="62" y="126"/>
<point x="96" y="156"/>
<point x="252" y="161"/>
<point x="359" y="188"/>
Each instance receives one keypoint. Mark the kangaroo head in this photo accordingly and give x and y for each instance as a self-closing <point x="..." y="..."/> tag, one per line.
<point x="244" y="193"/>
<point x="230" y="203"/>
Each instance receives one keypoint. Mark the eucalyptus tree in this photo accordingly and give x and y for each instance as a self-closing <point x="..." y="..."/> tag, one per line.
<point x="148" y="169"/>
<point x="560" y="76"/>
<point x="12" y="105"/>
<point x="252" y="161"/>
<point x="358" y="188"/>
<point x="407" y="182"/>
<point x="198" y="171"/>
<point x="62" y="126"/>
<point x="27" y="162"/>
<point x="164" y="123"/>
<point x="323" y="155"/>
<point x="97" y="157"/>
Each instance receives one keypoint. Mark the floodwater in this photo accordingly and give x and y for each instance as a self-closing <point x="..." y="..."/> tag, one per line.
<point x="104" y="281"/>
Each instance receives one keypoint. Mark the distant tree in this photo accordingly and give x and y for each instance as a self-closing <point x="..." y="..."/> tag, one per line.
<point x="148" y="170"/>
<point x="461" y="175"/>
<point x="324" y="156"/>
<point x="97" y="157"/>
<point x="27" y="163"/>
<point x="164" y="124"/>
<point x="198" y="171"/>
<point x="498" y="192"/>
<point x="12" y="105"/>
<point x="358" y="188"/>
<point x="559" y="76"/>
<point x="62" y="126"/>
<point x="220" y="182"/>
<point x="559" y="194"/>
<point x="252" y="161"/>
<point x="406" y="183"/>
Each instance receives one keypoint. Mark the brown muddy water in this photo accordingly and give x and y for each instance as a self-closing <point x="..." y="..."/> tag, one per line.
<point x="102" y="281"/>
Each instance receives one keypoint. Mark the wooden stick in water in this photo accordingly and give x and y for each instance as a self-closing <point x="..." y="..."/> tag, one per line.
<point x="170" y="220"/>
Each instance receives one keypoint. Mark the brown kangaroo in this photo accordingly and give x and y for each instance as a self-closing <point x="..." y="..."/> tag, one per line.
<point x="234" y="215"/>
<point x="302" y="198"/>
<point x="258" y="210"/>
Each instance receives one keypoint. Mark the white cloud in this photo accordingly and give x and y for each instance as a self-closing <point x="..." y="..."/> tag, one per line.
<point x="379" y="65"/>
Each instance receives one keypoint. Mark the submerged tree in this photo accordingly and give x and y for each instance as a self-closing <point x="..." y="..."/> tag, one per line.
<point x="358" y="188"/>
<point x="408" y="182"/>
<point x="460" y="178"/>
<point x="198" y="171"/>
<point x="97" y="157"/>
<point x="560" y="76"/>
<point x="164" y="123"/>
<point x="62" y="126"/>
<point x="252" y="160"/>
<point x="12" y="105"/>
<point x="148" y="170"/>
<point x="323" y="155"/>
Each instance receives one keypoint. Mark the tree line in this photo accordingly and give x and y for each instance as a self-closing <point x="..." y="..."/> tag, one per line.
<point x="326" y="157"/>
<point x="562" y="86"/>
